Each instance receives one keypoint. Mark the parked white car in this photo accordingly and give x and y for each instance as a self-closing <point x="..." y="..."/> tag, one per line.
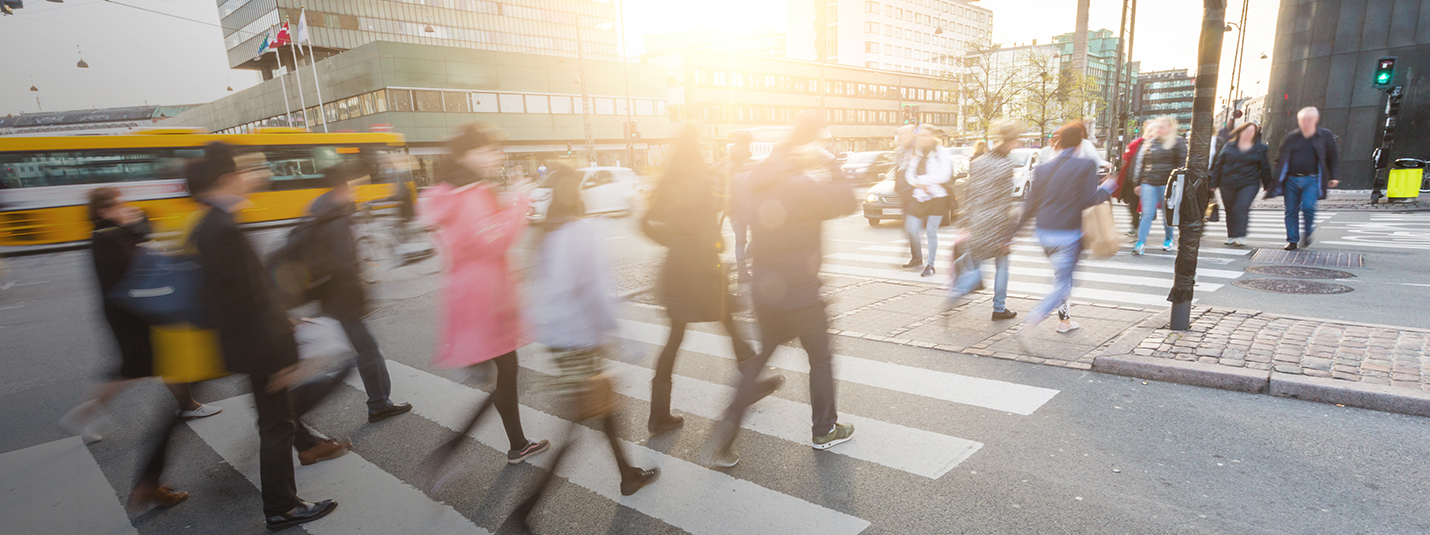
<point x="604" y="190"/>
<point x="1024" y="160"/>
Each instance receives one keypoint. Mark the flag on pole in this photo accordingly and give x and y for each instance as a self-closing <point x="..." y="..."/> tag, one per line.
<point x="302" y="36"/>
<point x="266" y="45"/>
<point x="282" y="39"/>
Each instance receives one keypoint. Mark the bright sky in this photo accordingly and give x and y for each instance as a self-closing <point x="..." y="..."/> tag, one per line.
<point x="136" y="56"/>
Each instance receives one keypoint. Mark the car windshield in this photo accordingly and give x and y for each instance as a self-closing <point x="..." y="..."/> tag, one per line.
<point x="862" y="157"/>
<point x="1020" y="158"/>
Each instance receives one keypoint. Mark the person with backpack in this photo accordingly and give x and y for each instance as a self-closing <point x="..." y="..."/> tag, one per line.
<point x="254" y="334"/>
<point x="482" y="324"/>
<point x="685" y="218"/>
<point x="574" y="313"/>
<point x="332" y="249"/>
<point x="795" y="181"/>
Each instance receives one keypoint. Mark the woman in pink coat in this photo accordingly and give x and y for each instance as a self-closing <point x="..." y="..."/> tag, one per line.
<point x="481" y="322"/>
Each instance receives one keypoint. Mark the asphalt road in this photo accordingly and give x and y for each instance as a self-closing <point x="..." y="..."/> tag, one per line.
<point x="945" y="443"/>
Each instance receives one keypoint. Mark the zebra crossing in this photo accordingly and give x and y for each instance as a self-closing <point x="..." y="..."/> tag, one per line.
<point x="688" y="497"/>
<point x="1124" y="279"/>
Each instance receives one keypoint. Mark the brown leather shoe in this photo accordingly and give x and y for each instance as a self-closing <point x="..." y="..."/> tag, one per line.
<point x="325" y="450"/>
<point x="145" y="496"/>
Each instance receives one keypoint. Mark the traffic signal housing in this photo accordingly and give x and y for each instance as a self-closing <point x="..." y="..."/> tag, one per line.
<point x="1384" y="73"/>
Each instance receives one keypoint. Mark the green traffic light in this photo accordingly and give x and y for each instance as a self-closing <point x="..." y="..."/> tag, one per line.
<point x="1384" y="77"/>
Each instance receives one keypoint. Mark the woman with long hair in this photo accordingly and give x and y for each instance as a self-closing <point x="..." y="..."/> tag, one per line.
<point x="1159" y="156"/>
<point x="481" y="325"/>
<point x="1064" y="187"/>
<point x="685" y="218"/>
<point x="574" y="314"/>
<point x="1240" y="170"/>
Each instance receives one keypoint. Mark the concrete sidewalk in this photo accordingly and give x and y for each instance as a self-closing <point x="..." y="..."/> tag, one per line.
<point x="1362" y="365"/>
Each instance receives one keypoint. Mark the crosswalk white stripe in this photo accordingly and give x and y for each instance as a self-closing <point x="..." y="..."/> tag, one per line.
<point x="1081" y="275"/>
<point x="1373" y="245"/>
<point x="1041" y="259"/>
<point x="1150" y="241"/>
<point x="58" y="487"/>
<point x="916" y="451"/>
<point x="360" y="487"/>
<point x="688" y="496"/>
<point x="1088" y="294"/>
<point x="989" y="393"/>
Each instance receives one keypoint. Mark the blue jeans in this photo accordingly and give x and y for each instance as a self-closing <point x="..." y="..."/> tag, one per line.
<point x="1152" y="199"/>
<point x="915" y="226"/>
<point x="970" y="278"/>
<point x="370" y="365"/>
<point x="1301" y="192"/>
<point x="1063" y="248"/>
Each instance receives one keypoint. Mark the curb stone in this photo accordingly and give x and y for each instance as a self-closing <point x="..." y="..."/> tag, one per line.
<point x="1351" y="394"/>
<point x="1184" y="372"/>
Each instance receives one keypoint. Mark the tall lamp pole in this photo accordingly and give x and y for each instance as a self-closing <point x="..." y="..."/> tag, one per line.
<point x="1190" y="208"/>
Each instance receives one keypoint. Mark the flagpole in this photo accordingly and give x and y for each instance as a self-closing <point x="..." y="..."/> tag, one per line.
<point x="299" y="77"/>
<point x="313" y="61"/>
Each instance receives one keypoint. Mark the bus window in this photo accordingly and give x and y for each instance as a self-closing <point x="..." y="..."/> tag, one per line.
<point x="93" y="166"/>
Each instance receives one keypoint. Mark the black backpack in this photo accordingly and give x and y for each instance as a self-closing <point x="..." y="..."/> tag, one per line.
<point x="296" y="267"/>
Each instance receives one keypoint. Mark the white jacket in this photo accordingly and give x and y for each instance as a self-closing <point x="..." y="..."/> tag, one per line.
<point x="938" y="170"/>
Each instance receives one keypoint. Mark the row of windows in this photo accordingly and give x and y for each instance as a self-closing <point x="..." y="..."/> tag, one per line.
<point x="872" y="47"/>
<point x="786" y="114"/>
<point x="425" y="100"/>
<point x="1173" y="83"/>
<point x="900" y="68"/>
<point x="795" y="84"/>
<point x="293" y="166"/>
<point x="1169" y="95"/>
<point x="906" y="34"/>
<point x="1167" y="106"/>
<point x="898" y="13"/>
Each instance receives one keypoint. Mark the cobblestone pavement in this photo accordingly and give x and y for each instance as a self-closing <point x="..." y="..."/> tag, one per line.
<point x="1381" y="355"/>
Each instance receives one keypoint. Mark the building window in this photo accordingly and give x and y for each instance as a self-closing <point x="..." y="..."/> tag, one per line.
<point x="645" y="107"/>
<point x="512" y="103"/>
<point x="871" y="64"/>
<point x="888" y="11"/>
<point x="871" y="47"/>
<point x="605" y="106"/>
<point x="485" y="103"/>
<point x="871" y="7"/>
<point x="562" y="105"/>
<point x="888" y="50"/>
<point x="456" y="102"/>
<point x="537" y="104"/>
<point x="871" y="27"/>
<point x="427" y="100"/>
<point x="397" y="100"/>
<point x="888" y="30"/>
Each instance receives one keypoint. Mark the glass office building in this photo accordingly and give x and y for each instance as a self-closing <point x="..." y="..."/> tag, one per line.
<point x="543" y="27"/>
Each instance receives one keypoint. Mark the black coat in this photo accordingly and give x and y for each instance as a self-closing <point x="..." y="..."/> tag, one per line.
<point x="1158" y="163"/>
<point x="113" y="249"/>
<point x="785" y="239"/>
<point x="341" y="293"/>
<point x="685" y="218"/>
<point x="1327" y="158"/>
<point x="238" y="300"/>
<point x="1235" y="169"/>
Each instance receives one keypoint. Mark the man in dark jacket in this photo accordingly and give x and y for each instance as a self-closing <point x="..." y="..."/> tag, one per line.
<point x="793" y="194"/>
<point x="1305" y="170"/>
<point x="254" y="334"/>
<point x="342" y="293"/>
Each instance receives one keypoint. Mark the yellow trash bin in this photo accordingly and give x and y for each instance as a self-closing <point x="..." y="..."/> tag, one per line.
<point x="1404" y="183"/>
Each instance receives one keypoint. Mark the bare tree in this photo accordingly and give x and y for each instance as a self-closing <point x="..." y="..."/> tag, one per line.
<point x="987" y="81"/>
<point x="1042" y="103"/>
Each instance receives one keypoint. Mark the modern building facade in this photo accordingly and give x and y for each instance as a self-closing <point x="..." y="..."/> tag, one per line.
<point x="909" y="36"/>
<point x="760" y="41"/>
<point x="1103" y="47"/>
<point x="89" y="122"/>
<point x="1159" y="93"/>
<point x="722" y="91"/>
<point x="425" y="92"/>
<point x="1325" y="56"/>
<point x="543" y="27"/>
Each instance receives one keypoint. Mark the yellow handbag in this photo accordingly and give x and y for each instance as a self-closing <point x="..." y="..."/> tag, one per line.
<point x="184" y="353"/>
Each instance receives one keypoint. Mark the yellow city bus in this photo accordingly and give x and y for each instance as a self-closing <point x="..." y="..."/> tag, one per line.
<point x="45" y="181"/>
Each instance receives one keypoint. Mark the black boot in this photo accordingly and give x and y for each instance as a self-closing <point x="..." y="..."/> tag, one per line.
<point x="661" y="420"/>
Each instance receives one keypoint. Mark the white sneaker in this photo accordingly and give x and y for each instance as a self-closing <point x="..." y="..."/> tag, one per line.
<point x="1229" y="241"/>
<point x="84" y="420"/>
<point x="1241" y="241"/>
<point x="204" y="411"/>
<point x="1069" y="326"/>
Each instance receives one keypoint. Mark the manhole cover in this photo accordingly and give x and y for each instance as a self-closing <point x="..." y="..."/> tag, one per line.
<point x="1289" y="286"/>
<point x="1298" y="272"/>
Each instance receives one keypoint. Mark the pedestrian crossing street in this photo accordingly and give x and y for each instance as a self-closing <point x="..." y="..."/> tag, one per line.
<point x="1124" y="279"/>
<point x="688" y="496"/>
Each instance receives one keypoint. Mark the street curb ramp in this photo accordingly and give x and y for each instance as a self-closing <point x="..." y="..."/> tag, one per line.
<point x="1351" y="394"/>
